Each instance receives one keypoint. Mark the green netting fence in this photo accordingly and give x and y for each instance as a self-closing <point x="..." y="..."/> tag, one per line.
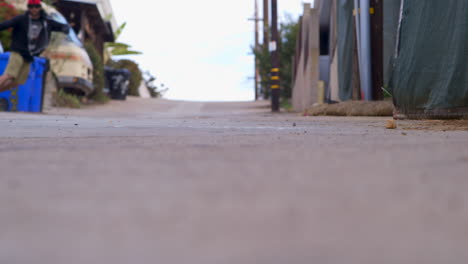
<point x="429" y="75"/>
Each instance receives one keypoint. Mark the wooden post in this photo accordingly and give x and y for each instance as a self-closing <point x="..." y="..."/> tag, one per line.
<point x="275" y="71"/>
<point x="266" y="23"/>
<point x="356" y="79"/>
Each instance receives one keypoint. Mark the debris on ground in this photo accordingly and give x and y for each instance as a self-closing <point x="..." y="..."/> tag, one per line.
<point x="391" y="124"/>
<point x="434" y="125"/>
<point x="353" y="108"/>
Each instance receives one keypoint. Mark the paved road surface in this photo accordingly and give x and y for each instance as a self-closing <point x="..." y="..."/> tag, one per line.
<point x="154" y="181"/>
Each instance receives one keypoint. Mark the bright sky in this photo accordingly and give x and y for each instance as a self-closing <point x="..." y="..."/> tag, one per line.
<point x="198" y="48"/>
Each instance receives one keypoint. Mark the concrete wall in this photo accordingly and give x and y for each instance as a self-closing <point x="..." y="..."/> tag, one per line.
<point x="334" y="85"/>
<point x="305" y="90"/>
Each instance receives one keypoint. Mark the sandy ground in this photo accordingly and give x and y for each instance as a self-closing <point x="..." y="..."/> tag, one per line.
<point x="155" y="181"/>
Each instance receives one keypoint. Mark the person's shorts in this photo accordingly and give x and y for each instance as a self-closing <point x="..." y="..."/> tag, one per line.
<point x="18" y="68"/>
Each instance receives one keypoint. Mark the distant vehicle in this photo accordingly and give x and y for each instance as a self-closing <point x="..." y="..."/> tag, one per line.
<point x="69" y="60"/>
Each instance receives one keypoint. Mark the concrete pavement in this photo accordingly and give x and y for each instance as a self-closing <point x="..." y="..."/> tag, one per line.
<point x="154" y="181"/>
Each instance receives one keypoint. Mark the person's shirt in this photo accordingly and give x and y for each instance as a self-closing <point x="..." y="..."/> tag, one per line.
<point x="34" y="33"/>
<point x="30" y="40"/>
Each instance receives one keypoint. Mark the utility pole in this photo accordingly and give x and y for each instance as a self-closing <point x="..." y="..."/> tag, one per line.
<point x="266" y="40"/>
<point x="256" y="19"/>
<point x="266" y="23"/>
<point x="257" y="49"/>
<point x="274" y="48"/>
<point x="376" y="12"/>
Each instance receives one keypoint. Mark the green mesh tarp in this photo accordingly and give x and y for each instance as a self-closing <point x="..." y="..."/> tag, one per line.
<point x="430" y="74"/>
<point x="390" y="27"/>
<point x="345" y="48"/>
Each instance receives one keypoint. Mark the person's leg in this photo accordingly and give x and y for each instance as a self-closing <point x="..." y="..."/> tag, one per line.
<point x="8" y="84"/>
<point x="16" y="72"/>
<point x="21" y="78"/>
<point x="6" y="81"/>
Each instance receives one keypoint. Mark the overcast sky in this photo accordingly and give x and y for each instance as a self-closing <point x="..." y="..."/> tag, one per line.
<point x="198" y="48"/>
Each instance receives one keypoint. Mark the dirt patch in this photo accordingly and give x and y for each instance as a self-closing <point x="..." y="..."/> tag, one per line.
<point x="435" y="125"/>
<point x="353" y="108"/>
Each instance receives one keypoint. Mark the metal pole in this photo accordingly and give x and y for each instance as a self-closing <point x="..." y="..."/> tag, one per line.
<point x="357" y="27"/>
<point x="275" y="70"/>
<point x="366" y="69"/>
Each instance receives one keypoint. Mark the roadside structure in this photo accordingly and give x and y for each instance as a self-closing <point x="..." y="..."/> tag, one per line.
<point x="93" y="20"/>
<point x="412" y="50"/>
<point x="305" y="90"/>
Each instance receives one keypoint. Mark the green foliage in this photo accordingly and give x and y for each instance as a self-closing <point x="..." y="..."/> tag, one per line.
<point x="119" y="31"/>
<point x="288" y="31"/>
<point x="136" y="75"/>
<point x="98" y="73"/>
<point x="287" y="47"/>
<point x="100" y="98"/>
<point x="117" y="48"/>
<point x="286" y="104"/>
<point x="7" y="12"/>
<point x="386" y="93"/>
<point x="63" y="99"/>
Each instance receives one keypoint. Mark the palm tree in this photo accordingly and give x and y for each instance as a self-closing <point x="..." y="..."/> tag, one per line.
<point x="117" y="48"/>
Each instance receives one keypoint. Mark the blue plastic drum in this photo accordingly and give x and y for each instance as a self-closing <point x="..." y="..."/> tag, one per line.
<point x="29" y="96"/>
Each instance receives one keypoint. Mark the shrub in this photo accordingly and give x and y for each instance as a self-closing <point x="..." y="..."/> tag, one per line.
<point x="7" y="11"/>
<point x="98" y="73"/>
<point x="136" y="76"/>
<point x="63" y="99"/>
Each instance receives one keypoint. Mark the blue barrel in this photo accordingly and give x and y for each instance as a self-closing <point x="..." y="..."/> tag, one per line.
<point x="29" y="96"/>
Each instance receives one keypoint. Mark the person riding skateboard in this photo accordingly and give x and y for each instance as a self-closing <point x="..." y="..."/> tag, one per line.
<point x="30" y="37"/>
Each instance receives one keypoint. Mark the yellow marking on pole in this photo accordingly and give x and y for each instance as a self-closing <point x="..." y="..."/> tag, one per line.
<point x="372" y="10"/>
<point x="275" y="78"/>
<point x="275" y="70"/>
<point x="275" y="86"/>
<point x="321" y="92"/>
